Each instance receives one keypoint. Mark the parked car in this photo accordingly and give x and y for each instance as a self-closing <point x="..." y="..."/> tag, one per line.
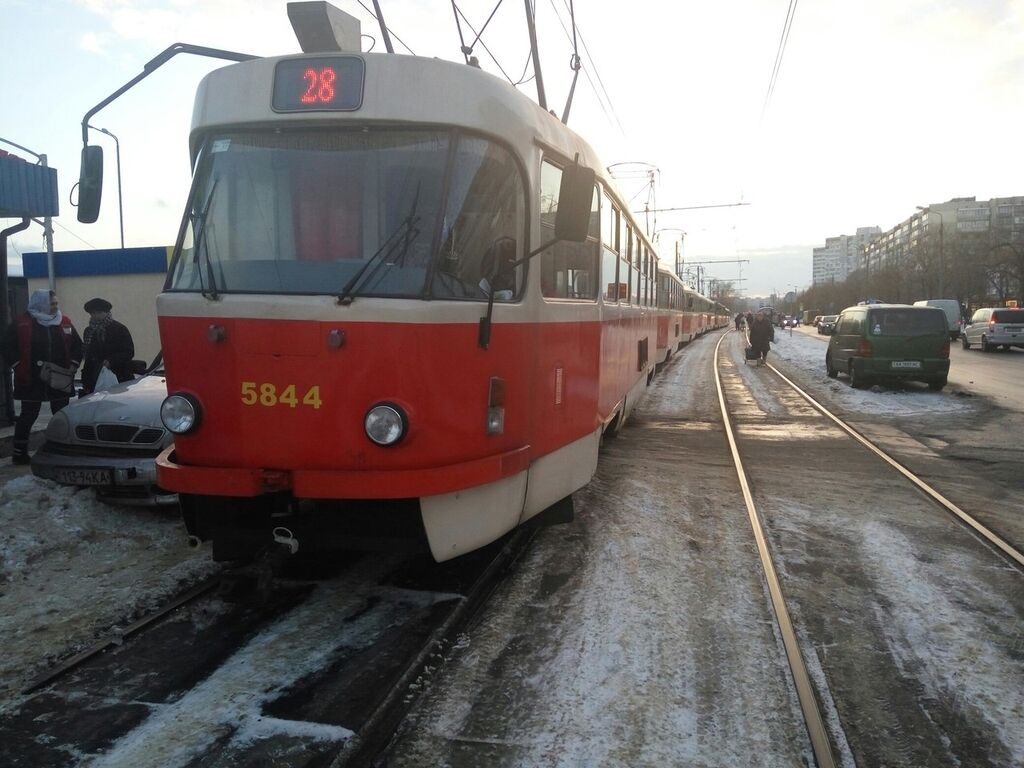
<point x="954" y="315"/>
<point x="992" y="327"/>
<point x="110" y="440"/>
<point x="817" y="319"/>
<point x="890" y="342"/>
<point x="827" y="324"/>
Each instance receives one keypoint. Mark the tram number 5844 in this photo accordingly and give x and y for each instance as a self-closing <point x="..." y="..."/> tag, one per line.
<point x="268" y="396"/>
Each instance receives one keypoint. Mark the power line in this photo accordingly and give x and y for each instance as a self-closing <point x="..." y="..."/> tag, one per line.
<point x="597" y="74"/>
<point x="57" y="223"/>
<point x="473" y="30"/>
<point x="391" y="31"/>
<point x="693" y="207"/>
<point x="783" y="39"/>
<point x="600" y="100"/>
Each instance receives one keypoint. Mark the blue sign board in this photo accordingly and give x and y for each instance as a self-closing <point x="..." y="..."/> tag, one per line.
<point x="26" y="189"/>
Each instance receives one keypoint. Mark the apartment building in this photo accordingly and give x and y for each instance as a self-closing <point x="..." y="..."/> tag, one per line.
<point x="841" y="255"/>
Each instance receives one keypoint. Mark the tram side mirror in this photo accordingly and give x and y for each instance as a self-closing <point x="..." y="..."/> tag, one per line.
<point x="90" y="184"/>
<point x="575" y="195"/>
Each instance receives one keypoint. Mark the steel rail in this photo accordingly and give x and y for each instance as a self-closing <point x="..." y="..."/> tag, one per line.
<point x="988" y="535"/>
<point x="371" y="739"/>
<point x="116" y="637"/>
<point x="816" y="730"/>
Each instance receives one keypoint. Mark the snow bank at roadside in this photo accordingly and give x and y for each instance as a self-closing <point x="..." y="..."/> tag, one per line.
<point x="805" y="355"/>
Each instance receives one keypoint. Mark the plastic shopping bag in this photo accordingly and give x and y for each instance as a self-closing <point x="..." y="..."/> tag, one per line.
<point x="105" y="380"/>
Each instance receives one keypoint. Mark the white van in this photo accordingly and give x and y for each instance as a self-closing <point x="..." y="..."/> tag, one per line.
<point x="953" y="315"/>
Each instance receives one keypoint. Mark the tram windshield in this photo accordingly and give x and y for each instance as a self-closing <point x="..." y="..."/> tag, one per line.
<point x="414" y="214"/>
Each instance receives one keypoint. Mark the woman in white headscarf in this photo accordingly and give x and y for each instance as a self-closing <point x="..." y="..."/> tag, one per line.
<point x="42" y="334"/>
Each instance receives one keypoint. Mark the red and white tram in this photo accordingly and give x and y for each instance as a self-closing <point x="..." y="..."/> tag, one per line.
<point x="353" y="324"/>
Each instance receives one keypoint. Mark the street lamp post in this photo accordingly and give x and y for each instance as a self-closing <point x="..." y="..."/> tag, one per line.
<point x="942" y="261"/>
<point x="120" y="206"/>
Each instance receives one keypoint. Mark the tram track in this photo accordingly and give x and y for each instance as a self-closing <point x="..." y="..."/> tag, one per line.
<point x="1011" y="553"/>
<point x="118" y="635"/>
<point x="344" y="658"/>
<point x="799" y="643"/>
<point x="813" y="718"/>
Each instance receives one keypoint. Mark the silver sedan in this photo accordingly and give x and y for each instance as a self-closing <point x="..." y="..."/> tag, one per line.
<point x="110" y="440"/>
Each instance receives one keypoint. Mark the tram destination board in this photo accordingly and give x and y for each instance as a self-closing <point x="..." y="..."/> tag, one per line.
<point x="322" y="84"/>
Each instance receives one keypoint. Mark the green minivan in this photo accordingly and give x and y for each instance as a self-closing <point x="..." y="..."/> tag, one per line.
<point x="890" y="341"/>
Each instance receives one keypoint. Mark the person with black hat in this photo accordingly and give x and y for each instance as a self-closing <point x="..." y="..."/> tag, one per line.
<point x="106" y="344"/>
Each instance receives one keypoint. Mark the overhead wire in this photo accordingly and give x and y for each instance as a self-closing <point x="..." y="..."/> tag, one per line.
<point x="473" y="30"/>
<point x="602" y="93"/>
<point x="597" y="74"/>
<point x="389" y="29"/>
<point x="484" y="27"/>
<point x="783" y="40"/>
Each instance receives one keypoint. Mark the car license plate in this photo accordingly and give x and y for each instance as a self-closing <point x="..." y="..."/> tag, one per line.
<point x="906" y="364"/>
<point x="75" y="476"/>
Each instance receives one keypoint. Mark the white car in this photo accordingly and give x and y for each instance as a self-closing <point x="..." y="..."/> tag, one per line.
<point x="110" y="440"/>
<point x="993" y="327"/>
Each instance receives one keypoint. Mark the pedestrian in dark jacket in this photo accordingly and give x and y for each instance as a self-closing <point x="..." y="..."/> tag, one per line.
<point x="106" y="344"/>
<point x="761" y="335"/>
<point x="40" y="335"/>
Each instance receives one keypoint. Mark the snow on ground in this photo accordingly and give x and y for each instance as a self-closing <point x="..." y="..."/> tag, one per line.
<point x="71" y="567"/>
<point x="804" y="354"/>
<point x="946" y="621"/>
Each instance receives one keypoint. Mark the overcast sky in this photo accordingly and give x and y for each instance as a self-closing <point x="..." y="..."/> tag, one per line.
<point x="879" y="106"/>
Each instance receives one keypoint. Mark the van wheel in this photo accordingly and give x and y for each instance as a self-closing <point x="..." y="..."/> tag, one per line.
<point x="965" y="343"/>
<point x="857" y="380"/>
<point x="937" y="385"/>
<point x="985" y="346"/>
<point x="829" y="368"/>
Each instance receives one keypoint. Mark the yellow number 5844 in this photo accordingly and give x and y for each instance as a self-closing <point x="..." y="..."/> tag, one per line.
<point x="268" y="396"/>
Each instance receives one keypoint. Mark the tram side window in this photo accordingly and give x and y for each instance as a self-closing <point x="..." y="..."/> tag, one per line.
<point x="625" y="262"/>
<point x="634" y="271"/>
<point x="567" y="270"/>
<point x="638" y="277"/>
<point x="610" y="250"/>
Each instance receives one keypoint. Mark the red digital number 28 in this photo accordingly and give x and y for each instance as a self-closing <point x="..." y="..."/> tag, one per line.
<point x="319" y="85"/>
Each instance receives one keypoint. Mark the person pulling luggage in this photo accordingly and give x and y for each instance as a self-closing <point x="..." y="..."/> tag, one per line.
<point x="761" y="335"/>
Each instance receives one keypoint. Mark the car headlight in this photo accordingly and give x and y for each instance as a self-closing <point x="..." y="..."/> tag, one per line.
<point x="58" y="428"/>
<point x="385" y="424"/>
<point x="180" y="413"/>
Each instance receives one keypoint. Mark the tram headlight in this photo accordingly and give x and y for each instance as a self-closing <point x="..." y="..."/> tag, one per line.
<point x="180" y="413"/>
<point x="385" y="424"/>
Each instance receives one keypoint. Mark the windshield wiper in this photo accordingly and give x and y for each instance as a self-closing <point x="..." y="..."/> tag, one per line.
<point x="406" y="227"/>
<point x="200" y="242"/>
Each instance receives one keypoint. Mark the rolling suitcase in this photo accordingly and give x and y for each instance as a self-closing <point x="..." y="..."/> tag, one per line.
<point x="751" y="355"/>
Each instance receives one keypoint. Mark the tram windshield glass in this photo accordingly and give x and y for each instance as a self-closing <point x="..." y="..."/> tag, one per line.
<point x="414" y="214"/>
